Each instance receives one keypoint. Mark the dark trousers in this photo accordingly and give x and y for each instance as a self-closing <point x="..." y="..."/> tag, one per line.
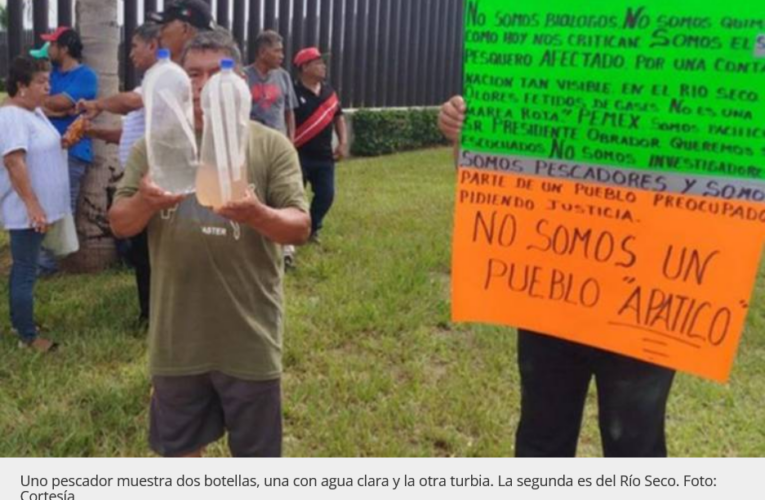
<point x="77" y="170"/>
<point x="320" y="174"/>
<point x="139" y="259"/>
<point x="25" y="252"/>
<point x="555" y="376"/>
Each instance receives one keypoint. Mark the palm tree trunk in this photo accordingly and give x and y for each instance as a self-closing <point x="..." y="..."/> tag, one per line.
<point x="97" y="24"/>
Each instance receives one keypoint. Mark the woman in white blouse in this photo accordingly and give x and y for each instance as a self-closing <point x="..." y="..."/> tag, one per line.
<point x="34" y="187"/>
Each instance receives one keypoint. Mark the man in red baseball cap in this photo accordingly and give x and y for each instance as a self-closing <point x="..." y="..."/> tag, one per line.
<point x="317" y="115"/>
<point x="70" y="81"/>
<point x="306" y="55"/>
<point x="56" y="34"/>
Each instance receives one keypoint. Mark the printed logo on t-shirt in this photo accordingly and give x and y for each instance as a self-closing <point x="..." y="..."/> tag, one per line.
<point x="266" y="95"/>
<point x="214" y="231"/>
<point x="168" y="213"/>
<point x="192" y="215"/>
<point x="222" y="231"/>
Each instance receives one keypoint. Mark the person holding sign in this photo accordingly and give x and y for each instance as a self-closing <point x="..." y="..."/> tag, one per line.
<point x="555" y="377"/>
<point x="215" y="334"/>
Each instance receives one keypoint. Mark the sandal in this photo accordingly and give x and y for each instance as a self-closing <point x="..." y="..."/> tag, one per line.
<point x="40" y="344"/>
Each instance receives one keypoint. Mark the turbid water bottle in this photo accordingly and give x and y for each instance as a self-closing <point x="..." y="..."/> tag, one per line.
<point x="226" y="102"/>
<point x="170" y="139"/>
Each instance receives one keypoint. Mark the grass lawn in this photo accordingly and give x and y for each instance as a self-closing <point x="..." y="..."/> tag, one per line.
<point x="373" y="365"/>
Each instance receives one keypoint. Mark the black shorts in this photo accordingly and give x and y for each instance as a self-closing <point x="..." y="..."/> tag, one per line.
<point x="190" y="412"/>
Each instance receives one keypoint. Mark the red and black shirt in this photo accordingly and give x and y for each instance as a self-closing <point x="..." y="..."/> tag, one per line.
<point x="314" y="118"/>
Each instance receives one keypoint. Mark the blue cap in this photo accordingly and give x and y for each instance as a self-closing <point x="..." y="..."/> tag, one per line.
<point x="163" y="54"/>
<point x="226" y="64"/>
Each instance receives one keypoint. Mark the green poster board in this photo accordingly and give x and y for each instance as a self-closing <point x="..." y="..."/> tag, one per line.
<point x="663" y="95"/>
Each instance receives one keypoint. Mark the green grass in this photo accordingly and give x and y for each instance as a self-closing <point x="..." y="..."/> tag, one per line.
<point x="373" y="365"/>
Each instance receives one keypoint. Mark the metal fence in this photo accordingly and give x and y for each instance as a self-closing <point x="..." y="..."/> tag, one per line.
<point x="27" y="40"/>
<point x="383" y="53"/>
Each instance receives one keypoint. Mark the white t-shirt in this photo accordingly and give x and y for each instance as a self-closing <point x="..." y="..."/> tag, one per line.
<point x="46" y="162"/>
<point x="133" y="128"/>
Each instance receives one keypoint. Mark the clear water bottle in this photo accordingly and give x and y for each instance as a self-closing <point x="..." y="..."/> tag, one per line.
<point x="170" y="139"/>
<point x="226" y="102"/>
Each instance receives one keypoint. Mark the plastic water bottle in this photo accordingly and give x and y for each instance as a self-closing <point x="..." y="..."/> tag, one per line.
<point x="170" y="138"/>
<point x="226" y="102"/>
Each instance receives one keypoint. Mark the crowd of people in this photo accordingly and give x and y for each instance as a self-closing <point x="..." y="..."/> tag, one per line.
<point x="216" y="357"/>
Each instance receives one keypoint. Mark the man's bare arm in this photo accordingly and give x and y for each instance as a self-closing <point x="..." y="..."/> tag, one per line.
<point x="59" y="105"/>
<point x="289" y="118"/>
<point x="342" y="138"/>
<point x="118" y="104"/>
<point x="286" y="226"/>
<point x="130" y="216"/>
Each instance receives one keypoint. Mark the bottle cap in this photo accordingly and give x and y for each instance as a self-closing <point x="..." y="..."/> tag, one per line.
<point x="226" y="64"/>
<point x="163" y="54"/>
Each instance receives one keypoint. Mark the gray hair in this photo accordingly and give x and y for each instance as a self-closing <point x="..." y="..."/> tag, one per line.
<point x="218" y="40"/>
<point x="267" y="38"/>
<point x="148" y="32"/>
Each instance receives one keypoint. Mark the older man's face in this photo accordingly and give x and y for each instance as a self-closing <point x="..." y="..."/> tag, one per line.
<point x="173" y="37"/>
<point x="272" y="56"/>
<point x="201" y="65"/>
<point x="316" y="69"/>
<point x="55" y="53"/>
<point x="143" y="54"/>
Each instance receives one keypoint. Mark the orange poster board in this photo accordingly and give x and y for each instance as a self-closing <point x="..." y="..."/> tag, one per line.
<point x="661" y="277"/>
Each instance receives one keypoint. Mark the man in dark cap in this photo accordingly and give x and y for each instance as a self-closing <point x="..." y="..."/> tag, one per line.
<point x="555" y="377"/>
<point x="181" y="21"/>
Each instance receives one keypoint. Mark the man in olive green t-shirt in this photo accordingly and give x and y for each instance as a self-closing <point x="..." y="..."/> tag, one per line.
<point x="215" y="336"/>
